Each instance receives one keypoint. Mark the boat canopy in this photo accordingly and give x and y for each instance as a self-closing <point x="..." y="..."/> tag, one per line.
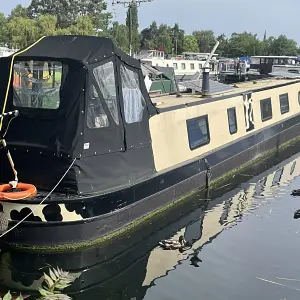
<point x="78" y="97"/>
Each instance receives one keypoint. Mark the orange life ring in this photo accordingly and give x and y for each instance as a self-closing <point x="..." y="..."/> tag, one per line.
<point x="26" y="191"/>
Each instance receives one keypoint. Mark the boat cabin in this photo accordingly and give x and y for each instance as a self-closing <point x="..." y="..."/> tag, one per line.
<point x="79" y="98"/>
<point x="264" y="64"/>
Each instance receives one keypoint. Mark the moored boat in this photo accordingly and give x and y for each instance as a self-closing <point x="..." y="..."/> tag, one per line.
<point x="87" y="125"/>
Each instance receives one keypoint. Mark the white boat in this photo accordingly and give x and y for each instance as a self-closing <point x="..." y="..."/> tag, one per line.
<point x="187" y="64"/>
<point x="4" y="51"/>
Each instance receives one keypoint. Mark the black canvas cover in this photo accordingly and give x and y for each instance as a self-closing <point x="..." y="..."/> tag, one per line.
<point x="51" y="138"/>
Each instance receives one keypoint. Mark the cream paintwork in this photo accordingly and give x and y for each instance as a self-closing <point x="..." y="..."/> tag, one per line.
<point x="169" y="131"/>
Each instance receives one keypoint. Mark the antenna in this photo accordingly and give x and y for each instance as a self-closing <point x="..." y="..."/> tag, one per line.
<point x="130" y="4"/>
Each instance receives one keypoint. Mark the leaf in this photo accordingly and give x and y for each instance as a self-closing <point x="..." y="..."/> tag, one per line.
<point x="52" y="275"/>
<point x="56" y="272"/>
<point x="48" y="280"/>
<point x="20" y="297"/>
<point x="45" y="293"/>
<point x="7" y="296"/>
<point x="60" y="286"/>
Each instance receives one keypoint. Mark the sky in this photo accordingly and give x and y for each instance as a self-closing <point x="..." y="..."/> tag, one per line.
<point x="222" y="16"/>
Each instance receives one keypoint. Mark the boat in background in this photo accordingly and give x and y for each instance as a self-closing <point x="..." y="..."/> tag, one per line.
<point x="185" y="65"/>
<point x="4" y="51"/>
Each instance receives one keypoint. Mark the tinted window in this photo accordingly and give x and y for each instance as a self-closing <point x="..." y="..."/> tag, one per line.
<point x="266" y="109"/>
<point x="134" y="101"/>
<point x="284" y="103"/>
<point x="232" y="123"/>
<point x="105" y="78"/>
<point x="299" y="98"/>
<point x="96" y="116"/>
<point x="37" y="84"/>
<point x="198" y="132"/>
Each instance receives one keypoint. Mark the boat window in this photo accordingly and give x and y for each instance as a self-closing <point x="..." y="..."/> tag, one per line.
<point x="175" y="66"/>
<point x="134" y="101"/>
<point x="299" y="98"/>
<point x="266" y="109"/>
<point x="198" y="132"/>
<point x="200" y="66"/>
<point x="96" y="116"/>
<point x="105" y="78"/>
<point x="183" y="66"/>
<point x="232" y="122"/>
<point x="37" y="84"/>
<point x="284" y="103"/>
<point x="192" y="66"/>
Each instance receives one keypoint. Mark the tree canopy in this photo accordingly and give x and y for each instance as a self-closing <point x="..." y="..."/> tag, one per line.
<point x="24" y="25"/>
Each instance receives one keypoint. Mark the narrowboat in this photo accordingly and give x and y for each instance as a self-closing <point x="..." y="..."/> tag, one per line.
<point x="99" y="156"/>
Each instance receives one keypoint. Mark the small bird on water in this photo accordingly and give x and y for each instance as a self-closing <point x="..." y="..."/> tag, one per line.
<point x="297" y="214"/>
<point x="296" y="192"/>
<point x="181" y="244"/>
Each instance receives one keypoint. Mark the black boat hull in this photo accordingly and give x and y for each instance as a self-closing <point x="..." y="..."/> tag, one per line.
<point x="155" y="195"/>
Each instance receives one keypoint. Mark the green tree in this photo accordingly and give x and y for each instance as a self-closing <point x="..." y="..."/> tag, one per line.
<point x="282" y="46"/>
<point x="18" y="11"/>
<point x="21" y="32"/>
<point x="223" y="48"/>
<point x="119" y="34"/>
<point x="3" y="30"/>
<point x="67" y="11"/>
<point x="178" y="39"/>
<point x="190" y="44"/>
<point x="46" y="24"/>
<point x="164" y="38"/>
<point x="149" y="37"/>
<point x="244" y="44"/>
<point x="133" y="27"/>
<point x="206" y="40"/>
<point x="83" y="26"/>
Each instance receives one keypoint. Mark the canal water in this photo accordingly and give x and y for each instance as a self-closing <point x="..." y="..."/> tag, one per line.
<point x="245" y="245"/>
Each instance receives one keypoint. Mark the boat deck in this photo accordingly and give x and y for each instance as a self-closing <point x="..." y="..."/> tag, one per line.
<point x="171" y="101"/>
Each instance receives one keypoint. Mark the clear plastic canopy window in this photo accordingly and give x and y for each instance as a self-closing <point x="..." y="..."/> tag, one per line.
<point x="37" y="84"/>
<point x="134" y="101"/>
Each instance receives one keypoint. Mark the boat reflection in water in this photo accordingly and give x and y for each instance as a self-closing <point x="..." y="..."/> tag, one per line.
<point x="126" y="268"/>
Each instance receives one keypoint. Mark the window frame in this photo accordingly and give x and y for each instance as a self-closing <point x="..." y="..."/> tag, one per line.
<point x="236" y="125"/>
<point x="269" y="100"/>
<point x="208" y="132"/>
<point x="183" y="66"/>
<point x="288" y="103"/>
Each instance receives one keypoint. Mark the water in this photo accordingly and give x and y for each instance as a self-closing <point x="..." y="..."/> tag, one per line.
<point x="245" y="246"/>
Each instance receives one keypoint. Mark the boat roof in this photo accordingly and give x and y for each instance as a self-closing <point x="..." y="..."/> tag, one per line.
<point x="274" y="56"/>
<point x="170" y="102"/>
<point x="83" y="49"/>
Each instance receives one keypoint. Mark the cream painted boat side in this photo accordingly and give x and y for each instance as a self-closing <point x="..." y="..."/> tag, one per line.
<point x="169" y="130"/>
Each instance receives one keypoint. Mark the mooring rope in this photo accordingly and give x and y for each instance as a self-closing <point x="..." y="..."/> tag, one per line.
<point x="15" y="226"/>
